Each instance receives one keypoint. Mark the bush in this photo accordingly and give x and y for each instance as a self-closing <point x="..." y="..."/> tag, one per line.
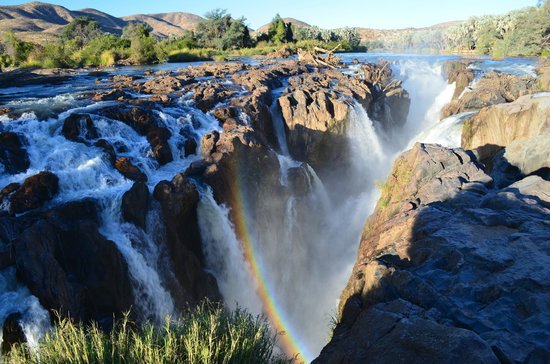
<point x="206" y="335"/>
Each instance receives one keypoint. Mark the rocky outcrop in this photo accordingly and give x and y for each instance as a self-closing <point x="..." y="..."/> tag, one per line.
<point x="34" y="192"/>
<point x="179" y="200"/>
<point x="493" y="88"/>
<point x="135" y="204"/>
<point x="458" y="72"/>
<point x="443" y="259"/>
<point x="209" y="94"/>
<point x="13" y="155"/>
<point x="500" y="125"/>
<point x="390" y="103"/>
<point x="144" y="122"/>
<point x="543" y="78"/>
<point x="71" y="267"/>
<point x="78" y="128"/>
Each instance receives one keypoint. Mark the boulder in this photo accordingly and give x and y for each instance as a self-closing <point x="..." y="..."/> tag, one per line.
<point x="444" y="257"/>
<point x="12" y="154"/>
<point x="78" y="127"/>
<point x="129" y="170"/>
<point x="500" y="125"/>
<point x="135" y="204"/>
<point x="34" y="192"/>
<point x="208" y="94"/>
<point x="64" y="261"/>
<point x="531" y="156"/>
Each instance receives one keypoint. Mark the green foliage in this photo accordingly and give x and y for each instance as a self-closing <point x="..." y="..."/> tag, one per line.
<point x="144" y="49"/>
<point x="220" y="31"/>
<point x="206" y="335"/>
<point x="81" y="30"/>
<point x="13" y="51"/>
<point x="524" y="32"/>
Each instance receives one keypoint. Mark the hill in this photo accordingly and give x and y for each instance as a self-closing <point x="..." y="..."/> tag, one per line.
<point x="165" y="24"/>
<point x="37" y="21"/>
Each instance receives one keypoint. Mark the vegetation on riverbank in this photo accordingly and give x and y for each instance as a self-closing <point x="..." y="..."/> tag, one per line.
<point x="83" y="44"/>
<point x="523" y="32"/>
<point x="205" y="335"/>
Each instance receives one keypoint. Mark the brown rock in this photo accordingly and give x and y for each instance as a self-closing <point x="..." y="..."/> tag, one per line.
<point x="162" y="85"/>
<point x="129" y="170"/>
<point x="112" y="95"/>
<point x="494" y="88"/>
<point x="34" y="192"/>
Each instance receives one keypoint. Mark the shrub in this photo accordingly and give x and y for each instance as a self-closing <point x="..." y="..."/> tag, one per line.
<point x="206" y="335"/>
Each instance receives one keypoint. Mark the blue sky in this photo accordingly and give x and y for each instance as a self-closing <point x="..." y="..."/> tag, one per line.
<point x="324" y="13"/>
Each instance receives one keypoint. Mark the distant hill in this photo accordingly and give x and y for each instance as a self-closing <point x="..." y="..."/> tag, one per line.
<point x="165" y="24"/>
<point x="295" y="22"/>
<point x="37" y="21"/>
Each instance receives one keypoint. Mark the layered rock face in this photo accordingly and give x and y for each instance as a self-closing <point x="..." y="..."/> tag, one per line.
<point x="449" y="268"/>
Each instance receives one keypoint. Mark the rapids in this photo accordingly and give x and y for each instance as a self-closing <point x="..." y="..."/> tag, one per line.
<point x="293" y="269"/>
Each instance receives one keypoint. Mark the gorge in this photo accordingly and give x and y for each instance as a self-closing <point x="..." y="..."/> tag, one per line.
<point x="249" y="182"/>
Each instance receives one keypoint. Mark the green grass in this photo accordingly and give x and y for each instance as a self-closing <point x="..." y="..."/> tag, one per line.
<point x="205" y="335"/>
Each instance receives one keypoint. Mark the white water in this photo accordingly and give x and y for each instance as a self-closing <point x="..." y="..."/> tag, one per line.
<point x="307" y="253"/>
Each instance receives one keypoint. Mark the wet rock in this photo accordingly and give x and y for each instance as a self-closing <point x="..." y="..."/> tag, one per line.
<point x="108" y="149"/>
<point x="190" y="147"/>
<point x="179" y="201"/>
<point x="158" y="139"/>
<point x="160" y="98"/>
<point x="5" y="110"/>
<point x="162" y="85"/>
<point x="12" y="332"/>
<point x="77" y="127"/>
<point x="129" y="170"/>
<point x="71" y="267"/>
<point x="494" y="88"/>
<point x="12" y="154"/>
<point x="443" y="258"/>
<point x="34" y="192"/>
<point x="123" y="80"/>
<point x="226" y="115"/>
<point x="135" y="204"/>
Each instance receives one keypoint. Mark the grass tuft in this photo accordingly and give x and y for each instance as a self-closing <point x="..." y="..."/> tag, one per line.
<point x="206" y="334"/>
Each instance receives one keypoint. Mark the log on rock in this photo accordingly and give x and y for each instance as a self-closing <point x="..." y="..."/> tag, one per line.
<point x="320" y="57"/>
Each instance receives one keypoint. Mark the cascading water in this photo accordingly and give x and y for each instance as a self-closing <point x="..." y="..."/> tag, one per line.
<point x="292" y="268"/>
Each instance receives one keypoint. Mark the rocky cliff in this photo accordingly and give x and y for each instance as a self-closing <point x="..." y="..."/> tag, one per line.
<point x="453" y="264"/>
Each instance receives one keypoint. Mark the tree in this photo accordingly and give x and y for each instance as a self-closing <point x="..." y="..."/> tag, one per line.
<point x="210" y="31"/>
<point x="15" y="51"/>
<point x="143" y="47"/>
<point x="81" y="30"/>
<point x="237" y="36"/>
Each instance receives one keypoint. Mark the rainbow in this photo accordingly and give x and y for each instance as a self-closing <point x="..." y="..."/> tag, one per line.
<point x="289" y="340"/>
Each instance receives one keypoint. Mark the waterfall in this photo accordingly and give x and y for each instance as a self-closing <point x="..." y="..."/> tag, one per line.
<point x="224" y="254"/>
